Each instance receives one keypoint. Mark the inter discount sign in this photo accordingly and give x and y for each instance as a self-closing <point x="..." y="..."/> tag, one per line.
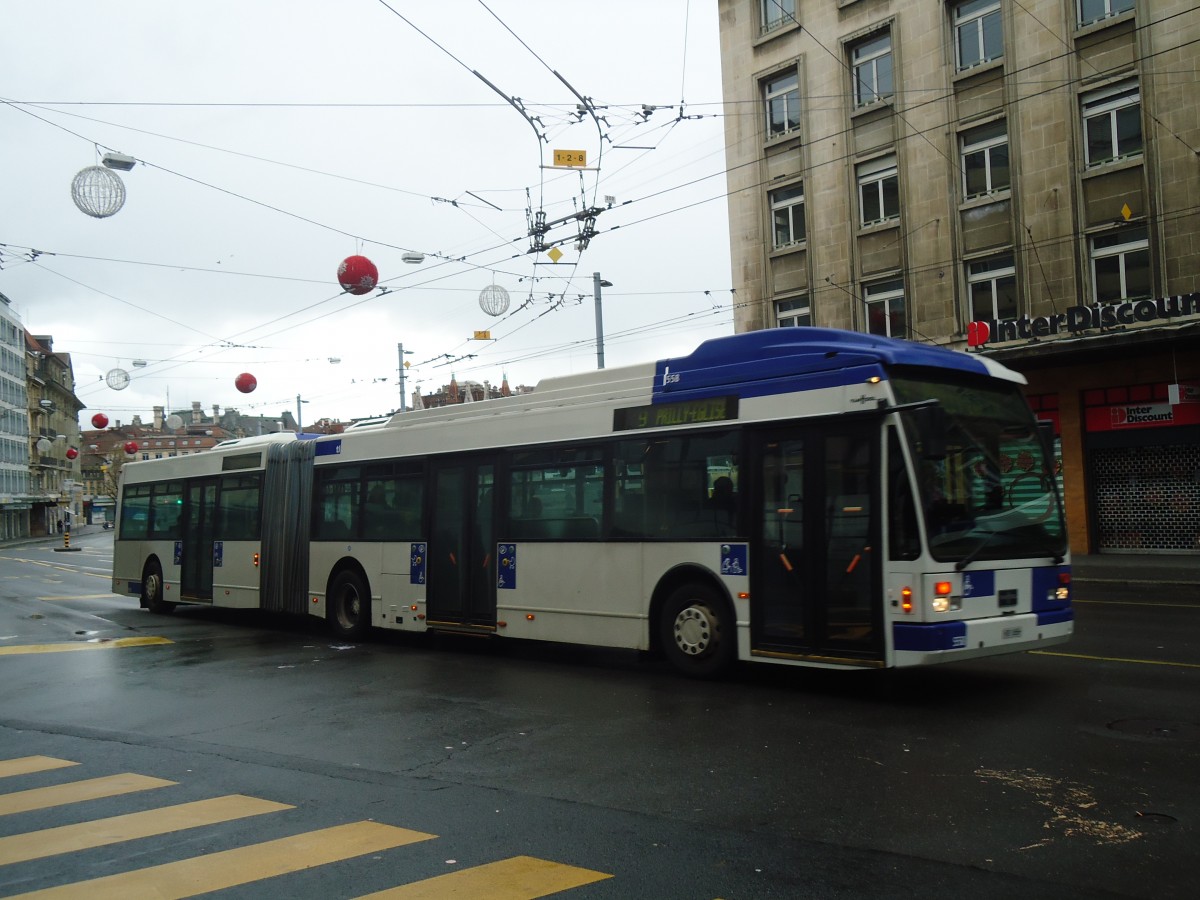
<point x="1124" y="416"/>
<point x="1082" y="318"/>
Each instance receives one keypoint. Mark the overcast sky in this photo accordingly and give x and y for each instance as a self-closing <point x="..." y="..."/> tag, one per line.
<point x="276" y="139"/>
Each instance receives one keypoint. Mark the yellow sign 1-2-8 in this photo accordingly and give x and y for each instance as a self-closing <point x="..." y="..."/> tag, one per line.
<point x="570" y="158"/>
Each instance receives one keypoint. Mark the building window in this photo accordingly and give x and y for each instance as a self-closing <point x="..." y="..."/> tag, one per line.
<point x="992" y="284"/>
<point x="985" y="160"/>
<point x="879" y="190"/>
<point x="787" y="214"/>
<point x="884" y="302"/>
<point x="1112" y="123"/>
<point x="797" y="311"/>
<point x="977" y="37"/>
<point x="871" y="62"/>
<point x="1120" y="265"/>
<point x="777" y="13"/>
<point x="1094" y="10"/>
<point x="782" y="96"/>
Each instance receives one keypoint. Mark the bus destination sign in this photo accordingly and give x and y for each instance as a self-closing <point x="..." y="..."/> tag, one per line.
<point x="683" y="412"/>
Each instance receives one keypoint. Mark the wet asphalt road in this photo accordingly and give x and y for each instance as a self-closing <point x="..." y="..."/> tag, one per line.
<point x="1066" y="774"/>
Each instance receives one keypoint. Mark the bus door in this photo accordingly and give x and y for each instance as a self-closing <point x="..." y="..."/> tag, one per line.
<point x="816" y="589"/>
<point x="461" y="590"/>
<point x="197" y="553"/>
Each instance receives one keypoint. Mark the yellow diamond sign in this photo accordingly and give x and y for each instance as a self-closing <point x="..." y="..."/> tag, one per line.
<point x="555" y="254"/>
<point x="1126" y="212"/>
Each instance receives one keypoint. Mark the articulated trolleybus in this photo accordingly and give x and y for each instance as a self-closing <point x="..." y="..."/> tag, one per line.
<point x="800" y="496"/>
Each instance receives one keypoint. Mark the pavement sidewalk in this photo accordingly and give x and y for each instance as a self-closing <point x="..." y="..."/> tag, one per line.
<point x="51" y="538"/>
<point x="1181" y="570"/>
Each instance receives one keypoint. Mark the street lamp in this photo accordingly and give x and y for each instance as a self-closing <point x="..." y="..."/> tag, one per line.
<point x="401" y="352"/>
<point x="597" y="283"/>
<point x="299" y="428"/>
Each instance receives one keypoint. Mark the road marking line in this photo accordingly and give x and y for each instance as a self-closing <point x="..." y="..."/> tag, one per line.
<point x="27" y="765"/>
<point x="107" y="596"/>
<point x="84" y="645"/>
<point x="1135" y="603"/>
<point x="102" y="832"/>
<point x="518" y="878"/>
<point x="76" y="791"/>
<point x="1120" y="659"/>
<point x="242" y="865"/>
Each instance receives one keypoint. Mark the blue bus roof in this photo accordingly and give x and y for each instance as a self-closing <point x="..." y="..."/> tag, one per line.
<point x="778" y="360"/>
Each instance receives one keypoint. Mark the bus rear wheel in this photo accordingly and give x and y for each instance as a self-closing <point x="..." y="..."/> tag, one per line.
<point x="697" y="631"/>
<point x="349" y="606"/>
<point x="152" y="590"/>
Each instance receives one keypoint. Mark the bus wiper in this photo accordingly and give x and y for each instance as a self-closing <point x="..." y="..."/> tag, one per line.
<point x="975" y="551"/>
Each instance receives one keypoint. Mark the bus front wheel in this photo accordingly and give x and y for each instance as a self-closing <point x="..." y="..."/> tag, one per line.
<point x="152" y="590"/>
<point x="349" y="610"/>
<point x="697" y="631"/>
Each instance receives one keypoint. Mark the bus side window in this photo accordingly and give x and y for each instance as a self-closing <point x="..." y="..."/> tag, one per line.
<point x="334" y="511"/>
<point x="629" y="499"/>
<point x="380" y="516"/>
<point x="135" y="512"/>
<point x="408" y="500"/>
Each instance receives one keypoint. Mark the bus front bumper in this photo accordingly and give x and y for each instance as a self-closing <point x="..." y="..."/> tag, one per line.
<point x="917" y="644"/>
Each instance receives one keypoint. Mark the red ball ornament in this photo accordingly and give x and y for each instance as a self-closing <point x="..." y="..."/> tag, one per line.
<point x="245" y="382"/>
<point x="131" y="447"/>
<point x="357" y="275"/>
<point x="99" y="420"/>
<point x="72" y="453"/>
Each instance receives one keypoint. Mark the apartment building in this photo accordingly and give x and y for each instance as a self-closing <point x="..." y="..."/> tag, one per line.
<point x="14" y="426"/>
<point x="1018" y="178"/>
<point x="55" y="490"/>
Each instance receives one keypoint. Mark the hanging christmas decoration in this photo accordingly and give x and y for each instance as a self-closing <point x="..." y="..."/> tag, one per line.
<point x="174" y="421"/>
<point x="72" y="453"/>
<point x="44" y="446"/>
<point x="117" y="379"/>
<point x="493" y="300"/>
<point x="98" y="192"/>
<point x="357" y="275"/>
<point x="245" y="382"/>
<point x="99" y="420"/>
<point x="131" y="447"/>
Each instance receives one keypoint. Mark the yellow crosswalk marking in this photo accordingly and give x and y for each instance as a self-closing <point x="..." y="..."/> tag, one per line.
<point x="27" y="765"/>
<point x="83" y="645"/>
<point x="101" y="832"/>
<point x="518" y="878"/>
<point x="75" y="791"/>
<point x="229" y="868"/>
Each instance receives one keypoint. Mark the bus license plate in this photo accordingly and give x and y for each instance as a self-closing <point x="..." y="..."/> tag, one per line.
<point x="1009" y="633"/>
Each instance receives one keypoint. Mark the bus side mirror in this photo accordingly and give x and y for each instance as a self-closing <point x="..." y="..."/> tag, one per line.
<point x="931" y="426"/>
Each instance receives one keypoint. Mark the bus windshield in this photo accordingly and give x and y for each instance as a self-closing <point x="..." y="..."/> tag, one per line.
<point x="986" y="482"/>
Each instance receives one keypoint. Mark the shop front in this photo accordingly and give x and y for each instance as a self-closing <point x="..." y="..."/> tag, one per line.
<point x="1125" y="405"/>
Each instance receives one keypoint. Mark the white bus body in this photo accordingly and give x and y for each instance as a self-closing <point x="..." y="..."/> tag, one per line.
<point x="892" y="504"/>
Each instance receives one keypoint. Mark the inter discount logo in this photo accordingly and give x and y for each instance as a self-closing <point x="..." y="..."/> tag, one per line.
<point x="1082" y="318"/>
<point x="1126" y="416"/>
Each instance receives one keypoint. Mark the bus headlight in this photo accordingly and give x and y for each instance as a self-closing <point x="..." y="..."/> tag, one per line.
<point x="943" y="599"/>
<point x="1062" y="593"/>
